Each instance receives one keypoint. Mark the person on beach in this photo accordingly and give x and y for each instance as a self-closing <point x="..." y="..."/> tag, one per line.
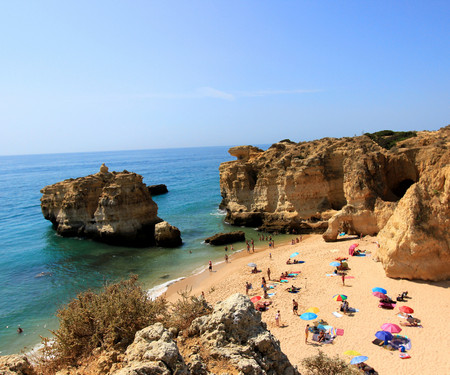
<point x="248" y="286"/>
<point x="203" y="295"/>
<point x="19" y="330"/>
<point x="268" y="273"/>
<point x="278" y="318"/>
<point x="270" y="256"/>
<point x="248" y="247"/>
<point x="343" y="278"/>
<point x="265" y="291"/>
<point x="295" y="307"/>
<point x="306" y="333"/>
<point x="263" y="282"/>
<point x="226" y="248"/>
<point x="232" y="247"/>
<point x="226" y="258"/>
<point x="210" y="266"/>
<point x="253" y="245"/>
<point x="321" y="336"/>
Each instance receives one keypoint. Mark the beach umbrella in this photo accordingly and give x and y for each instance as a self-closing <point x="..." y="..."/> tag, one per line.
<point x="339" y="297"/>
<point x="351" y="352"/>
<point x="294" y="254"/>
<point x="251" y="264"/>
<point x="358" y="359"/>
<point x="381" y="290"/>
<point x="353" y="247"/>
<point x="406" y="309"/>
<point x="390" y="327"/>
<point x="255" y="299"/>
<point x="335" y="264"/>
<point x="379" y="295"/>
<point x="313" y="310"/>
<point x="325" y="327"/>
<point x="383" y="335"/>
<point x="308" y="316"/>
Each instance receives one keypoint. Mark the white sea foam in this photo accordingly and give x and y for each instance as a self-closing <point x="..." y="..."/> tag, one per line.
<point x="218" y="212"/>
<point x="159" y="290"/>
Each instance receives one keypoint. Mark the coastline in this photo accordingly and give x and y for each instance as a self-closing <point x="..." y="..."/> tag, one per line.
<point x="430" y="300"/>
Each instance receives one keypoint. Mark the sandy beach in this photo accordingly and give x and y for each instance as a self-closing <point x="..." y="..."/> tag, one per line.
<point x="430" y="301"/>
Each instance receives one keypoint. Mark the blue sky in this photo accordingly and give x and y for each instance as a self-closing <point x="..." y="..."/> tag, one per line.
<point x="117" y="75"/>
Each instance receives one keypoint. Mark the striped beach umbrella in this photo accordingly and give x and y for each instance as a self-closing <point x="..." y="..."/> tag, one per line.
<point x="339" y="297"/>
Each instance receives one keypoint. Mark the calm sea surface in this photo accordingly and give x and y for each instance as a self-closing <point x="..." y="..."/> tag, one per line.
<point x="29" y="246"/>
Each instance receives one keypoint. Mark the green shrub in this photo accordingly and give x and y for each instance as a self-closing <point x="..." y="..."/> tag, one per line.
<point x="186" y="309"/>
<point x="321" y="364"/>
<point x="107" y="320"/>
<point x="388" y="138"/>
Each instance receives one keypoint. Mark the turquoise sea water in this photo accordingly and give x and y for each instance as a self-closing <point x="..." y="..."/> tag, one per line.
<point x="29" y="246"/>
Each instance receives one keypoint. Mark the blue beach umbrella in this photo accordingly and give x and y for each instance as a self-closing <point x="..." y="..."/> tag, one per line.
<point x="381" y="290"/>
<point x="335" y="264"/>
<point x="384" y="335"/>
<point x="358" y="359"/>
<point x="293" y="255"/>
<point x="308" y="316"/>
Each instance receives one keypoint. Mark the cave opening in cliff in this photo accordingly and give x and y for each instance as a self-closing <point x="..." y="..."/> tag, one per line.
<point x="400" y="189"/>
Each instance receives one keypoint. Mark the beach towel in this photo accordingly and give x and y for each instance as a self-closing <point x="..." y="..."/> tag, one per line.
<point x="293" y="291"/>
<point x="284" y="281"/>
<point x="352" y="309"/>
<point x="349" y="277"/>
<point x="404" y="355"/>
<point x="360" y="255"/>
<point x="339" y="332"/>
<point x="271" y="294"/>
<point x="331" y="274"/>
<point x="336" y="314"/>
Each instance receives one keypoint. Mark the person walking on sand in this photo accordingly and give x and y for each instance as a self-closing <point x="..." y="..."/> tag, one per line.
<point x="248" y="286"/>
<point x="343" y="278"/>
<point x="268" y="273"/>
<point x="295" y="307"/>
<point x="210" y="266"/>
<point x="278" y="318"/>
<point x="306" y="333"/>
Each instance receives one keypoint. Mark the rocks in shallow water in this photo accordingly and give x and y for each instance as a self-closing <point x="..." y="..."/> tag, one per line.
<point x="157" y="189"/>
<point x="167" y="235"/>
<point x="112" y="207"/>
<point x="226" y="238"/>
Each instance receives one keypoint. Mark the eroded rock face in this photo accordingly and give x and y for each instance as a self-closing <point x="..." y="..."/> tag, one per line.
<point x="15" y="365"/>
<point x="152" y="352"/>
<point x="360" y="185"/>
<point x="115" y="207"/>
<point x="235" y="331"/>
<point x="226" y="238"/>
<point x="167" y="235"/>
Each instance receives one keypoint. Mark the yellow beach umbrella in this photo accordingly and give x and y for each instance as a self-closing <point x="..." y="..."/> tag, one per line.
<point x="314" y="310"/>
<point x="352" y="352"/>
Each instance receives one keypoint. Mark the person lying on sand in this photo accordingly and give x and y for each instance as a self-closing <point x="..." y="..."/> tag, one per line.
<point x="413" y="321"/>
<point x="293" y="289"/>
<point x="255" y="270"/>
<point x="263" y="306"/>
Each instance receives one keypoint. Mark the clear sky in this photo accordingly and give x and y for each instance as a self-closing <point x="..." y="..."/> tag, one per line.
<point x="117" y="75"/>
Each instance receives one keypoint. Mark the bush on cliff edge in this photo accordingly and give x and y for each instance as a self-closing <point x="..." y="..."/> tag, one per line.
<point x="321" y="364"/>
<point x="107" y="320"/>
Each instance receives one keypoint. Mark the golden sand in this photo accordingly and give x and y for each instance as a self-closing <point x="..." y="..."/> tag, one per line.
<point x="430" y="352"/>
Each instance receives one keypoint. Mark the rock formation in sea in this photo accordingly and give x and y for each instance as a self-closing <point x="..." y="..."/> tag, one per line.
<point x="157" y="189"/>
<point x="394" y="184"/>
<point x="112" y="207"/>
<point x="226" y="238"/>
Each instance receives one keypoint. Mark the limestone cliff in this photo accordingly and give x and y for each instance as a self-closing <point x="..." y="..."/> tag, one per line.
<point x="112" y="207"/>
<point x="348" y="184"/>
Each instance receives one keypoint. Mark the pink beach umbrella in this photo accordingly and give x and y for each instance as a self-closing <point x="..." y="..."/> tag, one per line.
<point x="390" y="327"/>
<point x="379" y="294"/>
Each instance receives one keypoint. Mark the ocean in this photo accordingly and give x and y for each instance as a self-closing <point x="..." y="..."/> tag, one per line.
<point x="41" y="271"/>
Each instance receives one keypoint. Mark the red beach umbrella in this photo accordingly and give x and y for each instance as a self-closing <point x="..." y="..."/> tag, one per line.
<point x="379" y="294"/>
<point x="255" y="299"/>
<point x="406" y="309"/>
<point x="390" y="327"/>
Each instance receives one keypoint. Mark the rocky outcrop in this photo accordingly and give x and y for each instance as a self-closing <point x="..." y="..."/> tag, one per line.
<point x="167" y="235"/>
<point x="153" y="351"/>
<point x="226" y="238"/>
<point x="112" y="207"/>
<point x="157" y="189"/>
<point x="15" y="365"/>
<point x="234" y="331"/>
<point x="352" y="185"/>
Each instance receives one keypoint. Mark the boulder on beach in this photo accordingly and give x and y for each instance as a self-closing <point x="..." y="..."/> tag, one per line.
<point x="167" y="235"/>
<point x="226" y="238"/>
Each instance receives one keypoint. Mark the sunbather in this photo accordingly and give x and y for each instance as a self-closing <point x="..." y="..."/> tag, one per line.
<point x="321" y="336"/>
<point x="413" y="321"/>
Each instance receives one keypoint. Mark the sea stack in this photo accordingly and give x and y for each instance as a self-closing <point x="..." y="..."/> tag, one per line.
<point x="112" y="207"/>
<point x="396" y="184"/>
